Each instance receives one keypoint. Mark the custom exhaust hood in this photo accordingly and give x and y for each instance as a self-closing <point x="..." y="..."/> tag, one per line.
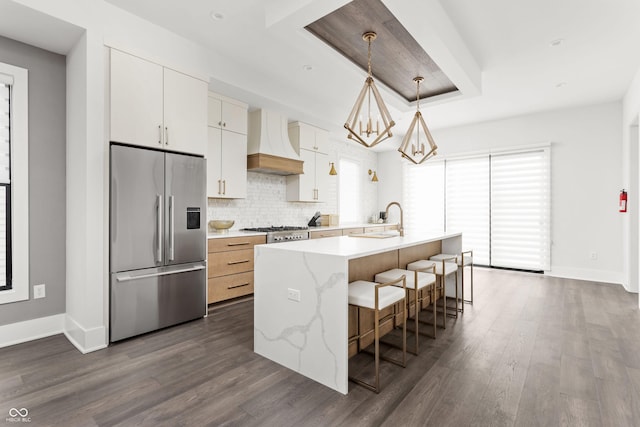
<point x="269" y="149"/>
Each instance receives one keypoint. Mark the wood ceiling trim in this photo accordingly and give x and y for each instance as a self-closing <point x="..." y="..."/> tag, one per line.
<point x="396" y="57"/>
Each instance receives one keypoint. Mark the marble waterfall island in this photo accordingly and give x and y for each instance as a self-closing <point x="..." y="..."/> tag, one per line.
<point x="301" y="303"/>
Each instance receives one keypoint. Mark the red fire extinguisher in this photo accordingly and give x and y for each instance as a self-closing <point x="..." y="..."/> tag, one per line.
<point x="623" y="201"/>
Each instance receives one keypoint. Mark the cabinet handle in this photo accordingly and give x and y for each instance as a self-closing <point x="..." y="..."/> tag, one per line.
<point x="224" y="186"/>
<point x="237" y="262"/>
<point x="160" y="134"/>
<point x="224" y="124"/>
<point x="238" y="286"/>
<point x="166" y="135"/>
<point x="219" y="187"/>
<point x="238" y="244"/>
<point x="220" y="123"/>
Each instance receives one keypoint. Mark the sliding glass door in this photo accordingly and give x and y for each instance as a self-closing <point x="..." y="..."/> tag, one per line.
<point x="500" y="203"/>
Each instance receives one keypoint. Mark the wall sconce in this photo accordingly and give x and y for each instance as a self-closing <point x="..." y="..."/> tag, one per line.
<point x="332" y="171"/>
<point x="374" y="178"/>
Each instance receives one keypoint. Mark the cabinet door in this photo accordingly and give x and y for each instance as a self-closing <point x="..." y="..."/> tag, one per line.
<point x="214" y="112"/>
<point x="185" y="113"/>
<point x="308" y="178"/>
<point x="136" y="100"/>
<point x="322" y="176"/>
<point x="322" y="141"/>
<point x="214" y="162"/>
<point x="234" y="118"/>
<point x="234" y="165"/>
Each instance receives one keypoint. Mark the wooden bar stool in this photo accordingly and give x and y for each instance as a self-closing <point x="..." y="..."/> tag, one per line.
<point x="377" y="297"/>
<point x="443" y="269"/>
<point x="419" y="285"/>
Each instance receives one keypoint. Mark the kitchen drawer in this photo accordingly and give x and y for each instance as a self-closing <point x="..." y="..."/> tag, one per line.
<point x="235" y="243"/>
<point x="326" y="233"/>
<point x="378" y="229"/>
<point x="225" y="263"/>
<point x="232" y="286"/>
<point x="391" y="227"/>
<point x="347" y="231"/>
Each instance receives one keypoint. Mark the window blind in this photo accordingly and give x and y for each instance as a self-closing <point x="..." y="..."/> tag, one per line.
<point x="5" y="181"/>
<point x="520" y="210"/>
<point x="350" y="202"/>
<point x="467" y="204"/>
<point x="423" y="197"/>
<point x="4" y="134"/>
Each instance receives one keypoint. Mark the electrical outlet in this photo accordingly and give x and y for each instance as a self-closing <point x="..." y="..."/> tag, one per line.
<point x="593" y="255"/>
<point x="39" y="291"/>
<point x="293" y="294"/>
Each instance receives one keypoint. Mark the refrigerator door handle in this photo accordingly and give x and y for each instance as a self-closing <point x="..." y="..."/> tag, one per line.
<point x="126" y="277"/>
<point x="172" y="234"/>
<point x="159" y="228"/>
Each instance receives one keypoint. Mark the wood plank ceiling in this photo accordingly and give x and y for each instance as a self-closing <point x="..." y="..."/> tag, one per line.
<point x="396" y="57"/>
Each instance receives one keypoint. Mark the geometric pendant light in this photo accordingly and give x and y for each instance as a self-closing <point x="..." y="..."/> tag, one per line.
<point x="413" y="144"/>
<point x="368" y="130"/>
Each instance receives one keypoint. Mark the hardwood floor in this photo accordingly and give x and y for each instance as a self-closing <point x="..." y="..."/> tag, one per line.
<point x="531" y="351"/>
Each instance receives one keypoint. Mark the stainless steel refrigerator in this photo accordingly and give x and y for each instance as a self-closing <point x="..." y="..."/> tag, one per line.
<point x="157" y="240"/>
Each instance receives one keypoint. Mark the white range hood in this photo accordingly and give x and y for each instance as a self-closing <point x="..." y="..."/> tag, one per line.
<point x="269" y="149"/>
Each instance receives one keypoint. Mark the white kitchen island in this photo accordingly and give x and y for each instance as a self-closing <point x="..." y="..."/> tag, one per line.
<point x="310" y="336"/>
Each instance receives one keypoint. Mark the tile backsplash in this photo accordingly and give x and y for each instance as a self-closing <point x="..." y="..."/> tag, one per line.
<point x="266" y="203"/>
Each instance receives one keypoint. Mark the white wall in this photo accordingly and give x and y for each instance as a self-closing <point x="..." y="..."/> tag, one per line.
<point x="586" y="155"/>
<point x="630" y="166"/>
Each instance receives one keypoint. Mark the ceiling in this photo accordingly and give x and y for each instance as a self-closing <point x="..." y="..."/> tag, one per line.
<point x="399" y="58"/>
<point x="500" y="54"/>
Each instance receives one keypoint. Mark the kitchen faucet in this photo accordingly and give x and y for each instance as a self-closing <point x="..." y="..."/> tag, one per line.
<point x="401" y="217"/>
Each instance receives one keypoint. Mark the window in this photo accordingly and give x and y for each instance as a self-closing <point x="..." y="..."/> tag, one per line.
<point x="350" y="182"/>
<point x="5" y="187"/>
<point x="14" y="184"/>
<point x="500" y="203"/>
<point x="520" y="210"/>
<point x="424" y="197"/>
<point x="467" y="204"/>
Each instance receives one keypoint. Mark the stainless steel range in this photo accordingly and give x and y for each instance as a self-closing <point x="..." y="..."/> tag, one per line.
<point x="283" y="233"/>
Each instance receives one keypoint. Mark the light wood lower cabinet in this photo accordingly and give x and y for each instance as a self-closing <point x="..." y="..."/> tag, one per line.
<point x="355" y="230"/>
<point x="230" y="267"/>
<point x="325" y="233"/>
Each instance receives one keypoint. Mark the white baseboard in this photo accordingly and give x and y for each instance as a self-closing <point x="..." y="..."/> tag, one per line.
<point x="19" y="332"/>
<point x="85" y="340"/>
<point x="590" y="275"/>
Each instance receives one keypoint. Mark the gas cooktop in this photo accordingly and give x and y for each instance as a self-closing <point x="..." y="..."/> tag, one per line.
<point x="282" y="233"/>
<point x="275" y="228"/>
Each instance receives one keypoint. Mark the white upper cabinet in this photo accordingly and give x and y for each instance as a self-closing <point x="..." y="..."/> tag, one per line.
<point x="227" y="114"/>
<point x="227" y="148"/>
<point x="312" y="144"/>
<point x="304" y="136"/>
<point x="226" y="165"/>
<point x="311" y="186"/>
<point x="157" y="107"/>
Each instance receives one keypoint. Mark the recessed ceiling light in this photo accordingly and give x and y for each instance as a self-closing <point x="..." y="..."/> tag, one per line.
<point x="561" y="84"/>
<point x="217" y="16"/>
<point x="307" y="67"/>
<point x="556" y="42"/>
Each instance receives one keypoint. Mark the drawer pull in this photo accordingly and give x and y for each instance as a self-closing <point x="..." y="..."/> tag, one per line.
<point x="238" y="244"/>
<point x="237" y="262"/>
<point x="238" y="286"/>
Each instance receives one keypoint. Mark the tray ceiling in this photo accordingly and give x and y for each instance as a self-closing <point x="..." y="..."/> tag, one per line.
<point x="396" y="57"/>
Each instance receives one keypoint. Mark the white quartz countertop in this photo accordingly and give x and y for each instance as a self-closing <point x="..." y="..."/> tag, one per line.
<point x="214" y="235"/>
<point x="355" y="247"/>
